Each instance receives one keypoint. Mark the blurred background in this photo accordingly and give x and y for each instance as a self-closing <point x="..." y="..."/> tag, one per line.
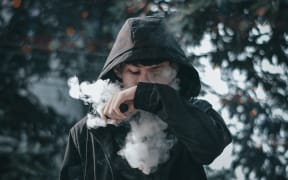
<point x="239" y="47"/>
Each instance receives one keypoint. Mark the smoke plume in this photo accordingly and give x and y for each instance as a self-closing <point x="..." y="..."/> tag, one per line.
<point x="147" y="144"/>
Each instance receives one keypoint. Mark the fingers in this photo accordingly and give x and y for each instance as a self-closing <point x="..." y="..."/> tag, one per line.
<point x="111" y="109"/>
<point x="103" y="113"/>
<point x="115" y="107"/>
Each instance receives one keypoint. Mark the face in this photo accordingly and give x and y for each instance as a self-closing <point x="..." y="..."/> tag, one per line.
<point x="163" y="73"/>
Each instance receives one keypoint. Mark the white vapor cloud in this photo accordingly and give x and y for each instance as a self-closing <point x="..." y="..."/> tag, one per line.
<point x="147" y="144"/>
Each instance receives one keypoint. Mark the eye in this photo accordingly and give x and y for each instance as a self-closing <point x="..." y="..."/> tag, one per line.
<point x="156" y="69"/>
<point x="134" y="72"/>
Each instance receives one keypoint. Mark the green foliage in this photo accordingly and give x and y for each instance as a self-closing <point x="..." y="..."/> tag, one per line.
<point x="248" y="36"/>
<point x="40" y="39"/>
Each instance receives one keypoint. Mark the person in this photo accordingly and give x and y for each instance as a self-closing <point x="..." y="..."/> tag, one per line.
<point x="155" y="76"/>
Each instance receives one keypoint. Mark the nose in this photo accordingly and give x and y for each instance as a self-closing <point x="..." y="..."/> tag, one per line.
<point x="143" y="77"/>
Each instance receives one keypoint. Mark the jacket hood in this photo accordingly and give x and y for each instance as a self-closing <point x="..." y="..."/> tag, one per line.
<point x="147" y="38"/>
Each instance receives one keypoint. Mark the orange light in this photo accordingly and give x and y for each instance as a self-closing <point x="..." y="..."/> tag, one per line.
<point x="26" y="49"/>
<point x="70" y="31"/>
<point x="261" y="11"/>
<point x="91" y="47"/>
<point x="16" y="3"/>
<point x="84" y="14"/>
<point x="130" y="10"/>
<point x="253" y="113"/>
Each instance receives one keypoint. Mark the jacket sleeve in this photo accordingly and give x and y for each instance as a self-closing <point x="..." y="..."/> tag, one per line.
<point x="196" y="124"/>
<point x="71" y="167"/>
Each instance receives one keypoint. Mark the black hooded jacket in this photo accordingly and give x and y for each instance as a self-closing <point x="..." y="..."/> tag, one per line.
<point x="201" y="132"/>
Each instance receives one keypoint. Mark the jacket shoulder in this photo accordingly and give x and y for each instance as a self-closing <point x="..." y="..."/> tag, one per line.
<point x="80" y="125"/>
<point x="79" y="130"/>
<point x="201" y="104"/>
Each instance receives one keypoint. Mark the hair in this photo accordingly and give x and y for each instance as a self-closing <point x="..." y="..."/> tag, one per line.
<point x="148" y="62"/>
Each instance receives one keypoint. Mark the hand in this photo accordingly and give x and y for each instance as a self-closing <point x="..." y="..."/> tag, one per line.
<point x="111" y="109"/>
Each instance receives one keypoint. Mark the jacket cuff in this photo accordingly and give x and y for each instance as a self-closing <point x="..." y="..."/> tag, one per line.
<point x="146" y="97"/>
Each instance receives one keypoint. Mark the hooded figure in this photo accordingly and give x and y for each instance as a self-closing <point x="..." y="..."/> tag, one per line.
<point x="93" y="153"/>
<point x="148" y="39"/>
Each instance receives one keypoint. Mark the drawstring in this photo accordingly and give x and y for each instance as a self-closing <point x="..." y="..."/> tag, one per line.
<point x="93" y="153"/>
<point x="105" y="155"/>
<point x="86" y="156"/>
